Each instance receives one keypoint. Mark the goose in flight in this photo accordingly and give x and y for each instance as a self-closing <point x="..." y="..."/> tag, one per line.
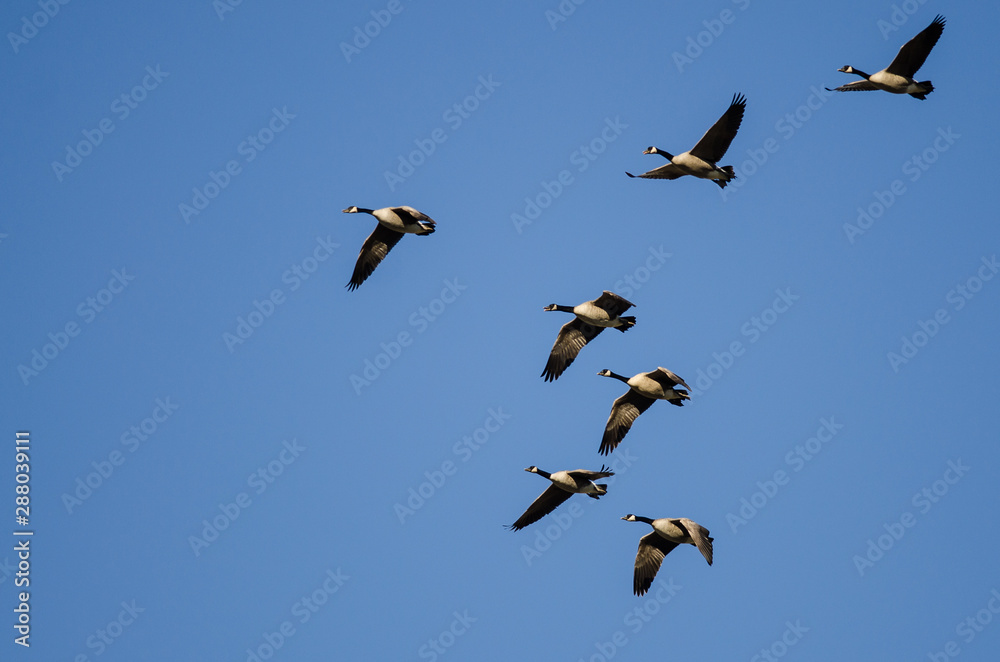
<point x="592" y="317"/>
<point x="393" y="223"/>
<point x="644" y="389"/>
<point x="898" y="76"/>
<point x="564" y="485"/>
<point x="701" y="160"/>
<point x="667" y="533"/>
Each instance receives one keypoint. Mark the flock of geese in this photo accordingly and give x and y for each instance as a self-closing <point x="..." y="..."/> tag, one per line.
<point x="605" y="312"/>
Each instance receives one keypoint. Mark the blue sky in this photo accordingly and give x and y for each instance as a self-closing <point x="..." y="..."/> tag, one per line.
<point x="232" y="456"/>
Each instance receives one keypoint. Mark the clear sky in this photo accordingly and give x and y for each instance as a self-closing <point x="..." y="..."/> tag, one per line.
<point x="233" y="457"/>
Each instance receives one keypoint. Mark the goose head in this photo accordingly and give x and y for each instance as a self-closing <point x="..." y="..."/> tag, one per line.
<point x="551" y="306"/>
<point x="351" y="210"/>
<point x="657" y="150"/>
<point x="613" y="375"/>
<point x="630" y="518"/>
<point x="532" y="469"/>
<point x="848" y="69"/>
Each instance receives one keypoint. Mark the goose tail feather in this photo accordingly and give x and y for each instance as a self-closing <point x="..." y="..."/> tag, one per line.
<point x="626" y="323"/>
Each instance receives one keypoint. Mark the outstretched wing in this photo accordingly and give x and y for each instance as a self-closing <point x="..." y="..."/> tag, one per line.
<point x="623" y="413"/>
<point x="713" y="145"/>
<point x="699" y="534"/>
<point x="614" y="304"/>
<point x="549" y="500"/>
<point x="913" y="54"/>
<point x="373" y="251"/>
<point x="591" y="475"/>
<point x="669" y="171"/>
<point x="856" y="86"/>
<point x="411" y="215"/>
<point x="652" y="548"/>
<point x="666" y="378"/>
<point x="571" y="339"/>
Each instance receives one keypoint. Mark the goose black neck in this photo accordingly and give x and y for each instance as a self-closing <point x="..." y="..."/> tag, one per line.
<point x="667" y="155"/>
<point x="543" y="474"/>
<point x="366" y="211"/>
<point x="563" y="309"/>
<point x="858" y="72"/>
<point x="639" y="518"/>
<point x="620" y="378"/>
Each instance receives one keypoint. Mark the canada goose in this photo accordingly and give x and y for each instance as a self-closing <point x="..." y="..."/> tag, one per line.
<point x="592" y="317"/>
<point x="564" y="485"/>
<point x="667" y="533"/>
<point x="393" y="223"/>
<point x="898" y="76"/>
<point x="644" y="389"/>
<point x="701" y="160"/>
